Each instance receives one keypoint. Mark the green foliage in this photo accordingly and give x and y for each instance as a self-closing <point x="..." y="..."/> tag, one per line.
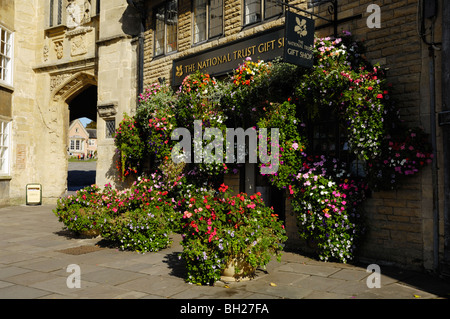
<point x="80" y="213"/>
<point x="130" y="143"/>
<point x="140" y="218"/>
<point x="291" y="142"/>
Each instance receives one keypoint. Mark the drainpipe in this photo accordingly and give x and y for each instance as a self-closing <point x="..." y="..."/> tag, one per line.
<point x="140" y="7"/>
<point x="434" y="169"/>
<point x="141" y="55"/>
<point x="429" y="11"/>
<point x="445" y="124"/>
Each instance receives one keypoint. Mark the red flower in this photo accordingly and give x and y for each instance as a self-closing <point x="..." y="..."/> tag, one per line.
<point x="223" y="188"/>
<point x="379" y="96"/>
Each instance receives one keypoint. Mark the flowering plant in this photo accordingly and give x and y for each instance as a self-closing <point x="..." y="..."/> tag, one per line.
<point x="220" y="227"/>
<point x="290" y="142"/>
<point x="199" y="100"/>
<point x="349" y="87"/>
<point x="196" y="99"/>
<point x="327" y="202"/>
<point x="403" y="154"/>
<point x="130" y="145"/>
<point x="140" y="218"/>
<point x="249" y="72"/>
<point x="79" y="213"/>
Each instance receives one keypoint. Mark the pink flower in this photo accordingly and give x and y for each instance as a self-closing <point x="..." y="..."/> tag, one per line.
<point x="187" y="214"/>
<point x="327" y="215"/>
<point x="295" y="146"/>
<point x="252" y="205"/>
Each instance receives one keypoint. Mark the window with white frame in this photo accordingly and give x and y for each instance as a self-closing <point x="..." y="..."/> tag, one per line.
<point x="166" y="27"/>
<point x="5" y="129"/>
<point x="76" y="145"/>
<point x="6" y="55"/>
<point x="260" y="10"/>
<point x="208" y="19"/>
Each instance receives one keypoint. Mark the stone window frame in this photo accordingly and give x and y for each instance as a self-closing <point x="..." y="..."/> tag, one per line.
<point x="166" y="32"/>
<point x="209" y="14"/>
<point x="110" y="127"/>
<point x="259" y="9"/>
<point x="57" y="12"/>
<point x="5" y="147"/>
<point x="6" y="56"/>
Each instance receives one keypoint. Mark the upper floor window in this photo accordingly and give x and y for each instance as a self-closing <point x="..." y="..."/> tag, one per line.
<point x="55" y="13"/>
<point x="71" y="13"/>
<point x="5" y="128"/>
<point x="166" y="25"/>
<point x="259" y="10"/>
<point x="6" y="55"/>
<point x="208" y="19"/>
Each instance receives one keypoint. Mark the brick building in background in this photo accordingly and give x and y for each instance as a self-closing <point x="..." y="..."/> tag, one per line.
<point x="409" y="226"/>
<point x="82" y="141"/>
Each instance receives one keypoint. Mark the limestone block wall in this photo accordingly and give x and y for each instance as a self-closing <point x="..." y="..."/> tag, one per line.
<point x="6" y="92"/>
<point x="400" y="223"/>
<point x="161" y="66"/>
<point x="117" y="63"/>
<point x="26" y="139"/>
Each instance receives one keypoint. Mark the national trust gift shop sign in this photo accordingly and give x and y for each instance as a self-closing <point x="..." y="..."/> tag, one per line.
<point x="294" y="43"/>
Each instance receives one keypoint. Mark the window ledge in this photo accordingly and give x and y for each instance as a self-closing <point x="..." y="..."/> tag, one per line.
<point x="5" y="178"/>
<point x="6" y="86"/>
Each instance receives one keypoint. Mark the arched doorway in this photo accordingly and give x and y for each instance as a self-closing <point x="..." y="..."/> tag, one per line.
<point x="82" y="139"/>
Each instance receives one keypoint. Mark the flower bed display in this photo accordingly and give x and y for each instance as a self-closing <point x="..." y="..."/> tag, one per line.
<point x="326" y="188"/>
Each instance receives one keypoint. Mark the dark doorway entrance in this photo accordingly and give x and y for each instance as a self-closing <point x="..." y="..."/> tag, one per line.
<point x="82" y="140"/>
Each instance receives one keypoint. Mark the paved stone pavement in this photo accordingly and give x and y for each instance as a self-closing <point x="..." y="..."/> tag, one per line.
<point x="35" y="254"/>
<point x="80" y="174"/>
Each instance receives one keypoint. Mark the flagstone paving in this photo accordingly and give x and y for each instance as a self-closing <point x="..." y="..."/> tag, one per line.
<point x="35" y="253"/>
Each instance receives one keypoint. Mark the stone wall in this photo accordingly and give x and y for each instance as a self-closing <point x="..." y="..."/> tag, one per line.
<point x="161" y="66"/>
<point x="25" y="116"/>
<point x="400" y="223"/>
<point x="6" y="92"/>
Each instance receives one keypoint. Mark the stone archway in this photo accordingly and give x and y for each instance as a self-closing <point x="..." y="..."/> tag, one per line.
<point x="66" y="87"/>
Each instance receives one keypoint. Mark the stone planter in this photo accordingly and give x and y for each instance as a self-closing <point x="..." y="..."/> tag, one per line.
<point x="91" y="233"/>
<point x="246" y="271"/>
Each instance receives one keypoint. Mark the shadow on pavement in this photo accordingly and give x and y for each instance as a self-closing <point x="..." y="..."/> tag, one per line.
<point x="78" y="179"/>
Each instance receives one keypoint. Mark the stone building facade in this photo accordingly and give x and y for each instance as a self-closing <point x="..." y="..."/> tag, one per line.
<point x="71" y="59"/>
<point x="408" y="226"/>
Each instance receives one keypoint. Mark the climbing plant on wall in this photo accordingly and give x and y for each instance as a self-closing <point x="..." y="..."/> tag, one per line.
<point x="368" y="149"/>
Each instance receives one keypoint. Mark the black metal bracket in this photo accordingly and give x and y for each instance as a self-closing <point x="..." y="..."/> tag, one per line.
<point x="332" y="10"/>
